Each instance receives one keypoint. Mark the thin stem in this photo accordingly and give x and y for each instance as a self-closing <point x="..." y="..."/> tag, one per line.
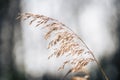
<point x="101" y="69"/>
<point x="98" y="64"/>
<point x="66" y="74"/>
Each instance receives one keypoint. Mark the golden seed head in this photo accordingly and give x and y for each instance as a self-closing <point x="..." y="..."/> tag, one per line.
<point x="68" y="42"/>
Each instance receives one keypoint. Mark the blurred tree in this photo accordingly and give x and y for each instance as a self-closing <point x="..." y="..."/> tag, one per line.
<point x="8" y="12"/>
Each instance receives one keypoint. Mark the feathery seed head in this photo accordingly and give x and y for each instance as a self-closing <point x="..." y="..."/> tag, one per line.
<point x="68" y="42"/>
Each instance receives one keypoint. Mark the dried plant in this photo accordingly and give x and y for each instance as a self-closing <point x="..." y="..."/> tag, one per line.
<point x="64" y="42"/>
<point x="80" y="78"/>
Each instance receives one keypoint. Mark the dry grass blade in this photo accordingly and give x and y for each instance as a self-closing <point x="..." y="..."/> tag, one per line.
<point x="68" y="43"/>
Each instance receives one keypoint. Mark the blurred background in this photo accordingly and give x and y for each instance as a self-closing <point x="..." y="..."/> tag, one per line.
<point x="23" y="53"/>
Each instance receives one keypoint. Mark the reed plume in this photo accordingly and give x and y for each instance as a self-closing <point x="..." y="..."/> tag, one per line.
<point x="64" y="42"/>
